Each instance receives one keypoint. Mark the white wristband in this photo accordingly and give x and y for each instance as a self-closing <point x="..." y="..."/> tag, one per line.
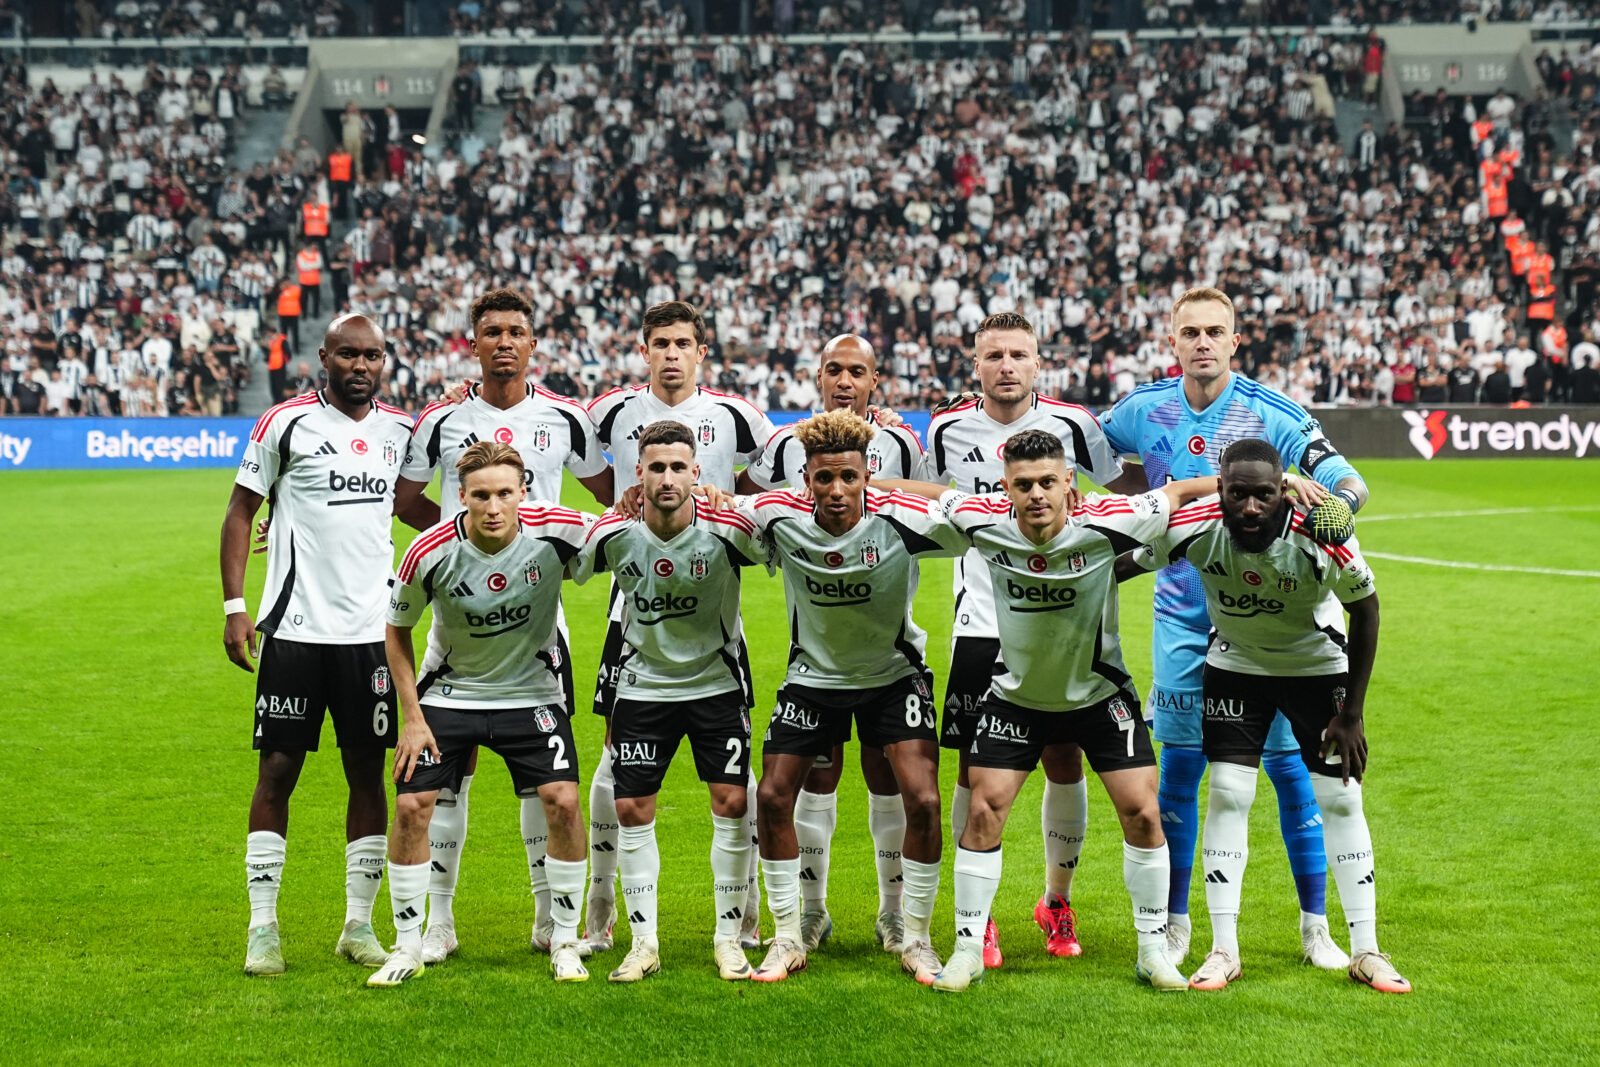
<point x="235" y="606"/>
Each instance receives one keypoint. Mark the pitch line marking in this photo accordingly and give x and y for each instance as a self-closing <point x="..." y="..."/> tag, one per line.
<point x="1475" y="514"/>
<point x="1480" y="566"/>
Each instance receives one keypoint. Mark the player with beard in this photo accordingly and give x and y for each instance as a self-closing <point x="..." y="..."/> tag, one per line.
<point x="1274" y="593"/>
<point x="552" y="434"/>
<point x="848" y="376"/>
<point x="328" y="462"/>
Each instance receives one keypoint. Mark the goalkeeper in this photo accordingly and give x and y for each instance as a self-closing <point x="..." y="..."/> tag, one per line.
<point x="1178" y="427"/>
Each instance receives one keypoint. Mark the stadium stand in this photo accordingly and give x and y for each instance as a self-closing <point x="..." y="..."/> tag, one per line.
<point x="796" y="188"/>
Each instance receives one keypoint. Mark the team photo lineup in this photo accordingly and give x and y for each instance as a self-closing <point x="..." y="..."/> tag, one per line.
<point x="1223" y="491"/>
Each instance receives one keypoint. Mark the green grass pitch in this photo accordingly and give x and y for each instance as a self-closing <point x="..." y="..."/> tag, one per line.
<point x="126" y="761"/>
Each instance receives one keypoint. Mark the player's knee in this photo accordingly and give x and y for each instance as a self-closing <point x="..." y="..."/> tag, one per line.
<point x="276" y="776"/>
<point x="773" y="802"/>
<point x="922" y="811"/>
<point x="1141" y="819"/>
<point x="632" y="811"/>
<point x="412" y="812"/>
<point x="731" y="804"/>
<point x="984" y="820"/>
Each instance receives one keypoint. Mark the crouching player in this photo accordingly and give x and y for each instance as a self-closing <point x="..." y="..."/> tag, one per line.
<point x="681" y="671"/>
<point x="493" y="575"/>
<point x="1061" y="681"/>
<point x="1274" y="595"/>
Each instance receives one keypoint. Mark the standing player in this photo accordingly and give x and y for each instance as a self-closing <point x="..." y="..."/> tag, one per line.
<point x="847" y="378"/>
<point x="552" y="434"/>
<point x="1178" y="427"/>
<point x="328" y="462"/>
<point x="728" y="431"/>
<point x="682" y="673"/>
<point x="855" y="652"/>
<point x="1279" y="651"/>
<point x="964" y="448"/>
<point x="1061" y="681"/>
<point x="493" y="575"/>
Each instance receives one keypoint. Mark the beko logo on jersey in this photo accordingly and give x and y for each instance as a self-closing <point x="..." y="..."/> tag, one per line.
<point x="507" y="619"/>
<point x="675" y="607"/>
<point x="980" y="487"/>
<point x="844" y="592"/>
<point x="1247" y="605"/>
<point x="1043" y="597"/>
<point x="371" y="489"/>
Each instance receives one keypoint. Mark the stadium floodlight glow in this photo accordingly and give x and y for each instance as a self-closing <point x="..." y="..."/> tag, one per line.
<point x="419" y="138"/>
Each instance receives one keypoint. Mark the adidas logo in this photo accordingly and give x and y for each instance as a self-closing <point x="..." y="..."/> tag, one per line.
<point x="440" y="868"/>
<point x="897" y="878"/>
<point x="1315" y="820"/>
<point x="1368" y="880"/>
<point x="1070" y="865"/>
<point x="374" y="877"/>
<point x="802" y="554"/>
<point x="469" y="440"/>
<point x="1216" y="878"/>
<point x="963" y="932"/>
<point x="462" y="589"/>
<point x="1216" y="568"/>
<point x="539" y="862"/>
<point x="604" y="846"/>
<point x="631" y="571"/>
<point x="1002" y="559"/>
<point x="975" y="456"/>
<point x="636" y="917"/>
<point x="327" y="449"/>
<point x="261" y="878"/>
<point x="807" y="876"/>
<point x="733" y="913"/>
<point x="637" y="430"/>
<point x="409" y="913"/>
<point x="407" y="973"/>
<point x="562" y="902"/>
<point x="1172" y="817"/>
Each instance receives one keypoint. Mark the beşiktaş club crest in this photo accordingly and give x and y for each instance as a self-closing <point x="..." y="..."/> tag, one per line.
<point x="541" y="439"/>
<point x="545" y="720"/>
<point x="1339" y="694"/>
<point x="708" y="433"/>
<point x="391" y="454"/>
<point x="1288" y="584"/>
<point x="869" y="553"/>
<point x="1119" y="709"/>
<point x="920" y="684"/>
<point x="380" y="681"/>
<point x="699" y="567"/>
<point x="531" y="575"/>
<point x="744" y="720"/>
<point x="1076" y="561"/>
<point x="874" y="463"/>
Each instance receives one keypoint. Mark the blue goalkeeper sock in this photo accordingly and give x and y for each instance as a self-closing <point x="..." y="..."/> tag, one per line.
<point x="1179" y="798"/>
<point x="1301" y="822"/>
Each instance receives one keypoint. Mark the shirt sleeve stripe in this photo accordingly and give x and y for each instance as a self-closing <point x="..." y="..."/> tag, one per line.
<point x="421" y="547"/>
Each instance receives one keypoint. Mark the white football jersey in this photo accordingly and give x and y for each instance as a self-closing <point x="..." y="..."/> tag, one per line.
<point x="964" y="446"/>
<point x="329" y="481"/>
<point x="728" y="430"/>
<point x="894" y="452"/>
<point x="550" y="432"/>
<point x="849" y="597"/>
<point x="494" y="615"/>
<point x="680" y="601"/>
<point x="1275" y="612"/>
<point x="1058" y="641"/>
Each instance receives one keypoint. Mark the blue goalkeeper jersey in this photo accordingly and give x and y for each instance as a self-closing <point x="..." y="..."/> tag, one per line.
<point x="1174" y="442"/>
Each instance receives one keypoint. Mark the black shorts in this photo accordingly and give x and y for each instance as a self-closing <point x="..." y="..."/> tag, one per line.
<point x="809" y="722"/>
<point x="1111" y="733"/>
<point x="1239" y="709"/>
<point x="296" y="682"/>
<point x="645" y="736"/>
<point x="535" y="742"/>
<point x="974" y="663"/>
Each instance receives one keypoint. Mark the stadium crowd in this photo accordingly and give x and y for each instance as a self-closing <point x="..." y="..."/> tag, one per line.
<point x="796" y="193"/>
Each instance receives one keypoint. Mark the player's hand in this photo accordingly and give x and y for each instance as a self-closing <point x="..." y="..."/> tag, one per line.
<point x="716" y="498"/>
<point x="630" y="504"/>
<point x="952" y="401"/>
<point x="458" y="392"/>
<point x="1305" y="490"/>
<point x="415" y="739"/>
<point x="239" y="639"/>
<point x="1074" y="499"/>
<point x="1332" y="522"/>
<point x="261" y="536"/>
<point x="1346" y="739"/>
<point x="888" y="418"/>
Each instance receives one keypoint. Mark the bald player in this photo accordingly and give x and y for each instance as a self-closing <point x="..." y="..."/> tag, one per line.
<point x="328" y="461"/>
<point x="847" y="378"/>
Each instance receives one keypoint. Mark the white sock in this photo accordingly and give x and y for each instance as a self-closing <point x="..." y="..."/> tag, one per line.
<point x="921" y="892"/>
<point x="1225" y="850"/>
<point x="752" y="898"/>
<point x="960" y="802"/>
<point x="1349" y="845"/>
<point x="603" y="829"/>
<point x="640" y="863"/>
<point x="1063" y="818"/>
<point x="408" y="893"/>
<point x="566" y="897"/>
<point x="886" y="819"/>
<point x="977" y="880"/>
<point x="1147" y="873"/>
<point x="363" y="873"/>
<point x="263" y="875"/>
<point x="447" y="835"/>
<point x="815" y="816"/>
<point x="730" y="872"/>
<point x="783" y="896"/>
<point x="536" y="839"/>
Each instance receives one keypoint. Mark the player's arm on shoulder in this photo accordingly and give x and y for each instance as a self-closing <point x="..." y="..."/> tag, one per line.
<point x="1185" y="490"/>
<point x="594" y="557"/>
<point x="934" y="535"/>
<point x="413" y="506"/>
<point x="1316" y="459"/>
<point x="238" y="635"/>
<point x="602" y="486"/>
<point x="930" y="490"/>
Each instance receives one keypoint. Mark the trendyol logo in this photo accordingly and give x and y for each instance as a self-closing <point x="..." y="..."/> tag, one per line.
<point x="1432" y="430"/>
